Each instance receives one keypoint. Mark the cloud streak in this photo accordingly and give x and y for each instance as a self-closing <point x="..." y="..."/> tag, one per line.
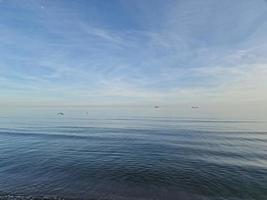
<point x="153" y="51"/>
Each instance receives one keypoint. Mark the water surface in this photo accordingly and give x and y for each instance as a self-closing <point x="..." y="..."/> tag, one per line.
<point x="129" y="154"/>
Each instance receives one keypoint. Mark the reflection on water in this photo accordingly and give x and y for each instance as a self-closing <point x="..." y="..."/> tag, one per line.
<point x="111" y="155"/>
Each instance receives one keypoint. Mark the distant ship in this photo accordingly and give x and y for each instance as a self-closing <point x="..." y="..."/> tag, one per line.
<point x="156" y="106"/>
<point x="60" y="113"/>
<point x="195" y="107"/>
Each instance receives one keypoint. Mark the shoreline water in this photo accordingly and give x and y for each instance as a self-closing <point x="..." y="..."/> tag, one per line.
<point x="25" y="197"/>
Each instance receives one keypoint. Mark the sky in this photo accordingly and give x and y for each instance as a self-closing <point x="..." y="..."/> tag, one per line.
<point x="166" y="52"/>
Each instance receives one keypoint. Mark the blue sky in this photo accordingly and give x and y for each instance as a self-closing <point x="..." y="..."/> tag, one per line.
<point x="132" y="51"/>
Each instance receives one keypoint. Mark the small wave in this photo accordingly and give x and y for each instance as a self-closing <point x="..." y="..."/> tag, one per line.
<point x="47" y="135"/>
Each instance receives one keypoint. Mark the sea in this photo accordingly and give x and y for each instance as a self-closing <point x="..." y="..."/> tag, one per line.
<point x="137" y="153"/>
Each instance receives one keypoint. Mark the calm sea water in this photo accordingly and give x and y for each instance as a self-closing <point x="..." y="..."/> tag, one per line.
<point x="131" y="154"/>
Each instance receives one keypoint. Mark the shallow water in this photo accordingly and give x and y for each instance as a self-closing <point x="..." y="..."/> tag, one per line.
<point x="110" y="154"/>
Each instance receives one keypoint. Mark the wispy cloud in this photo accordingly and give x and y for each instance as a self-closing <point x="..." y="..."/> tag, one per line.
<point x="136" y="51"/>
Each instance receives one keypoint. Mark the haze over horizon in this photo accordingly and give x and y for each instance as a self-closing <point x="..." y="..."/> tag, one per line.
<point x="79" y="52"/>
